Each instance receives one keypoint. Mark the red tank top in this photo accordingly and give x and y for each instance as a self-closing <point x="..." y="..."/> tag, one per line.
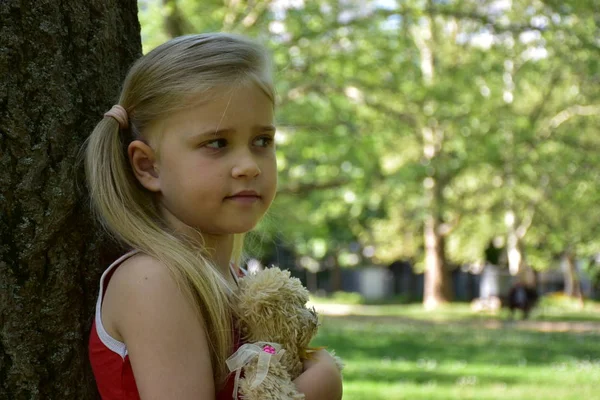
<point x="109" y="358"/>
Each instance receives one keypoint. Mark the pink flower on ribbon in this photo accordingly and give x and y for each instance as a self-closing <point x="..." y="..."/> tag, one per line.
<point x="269" y="349"/>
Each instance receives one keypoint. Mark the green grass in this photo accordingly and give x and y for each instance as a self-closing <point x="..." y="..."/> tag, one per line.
<point x="551" y="308"/>
<point x="404" y="353"/>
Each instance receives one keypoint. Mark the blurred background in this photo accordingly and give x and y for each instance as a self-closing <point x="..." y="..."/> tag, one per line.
<point x="438" y="162"/>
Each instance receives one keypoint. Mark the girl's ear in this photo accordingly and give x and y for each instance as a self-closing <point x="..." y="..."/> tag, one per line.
<point x="143" y="162"/>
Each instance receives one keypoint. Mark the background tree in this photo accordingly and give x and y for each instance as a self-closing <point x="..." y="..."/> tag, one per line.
<point x="61" y="63"/>
<point x="419" y="130"/>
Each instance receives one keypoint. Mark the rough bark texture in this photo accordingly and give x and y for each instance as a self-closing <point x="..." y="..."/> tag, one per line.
<point x="61" y="63"/>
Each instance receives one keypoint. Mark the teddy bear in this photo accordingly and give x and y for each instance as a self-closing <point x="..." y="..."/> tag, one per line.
<point x="276" y="327"/>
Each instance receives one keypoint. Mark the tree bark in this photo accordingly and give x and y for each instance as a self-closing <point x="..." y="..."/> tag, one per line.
<point x="62" y="63"/>
<point x="174" y="21"/>
<point x="438" y="288"/>
<point x="336" y="274"/>
<point x="312" y="284"/>
<point x="513" y="249"/>
<point x="572" y="281"/>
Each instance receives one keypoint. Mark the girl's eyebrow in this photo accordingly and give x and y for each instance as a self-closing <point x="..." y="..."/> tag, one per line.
<point x="265" y="128"/>
<point x="228" y="131"/>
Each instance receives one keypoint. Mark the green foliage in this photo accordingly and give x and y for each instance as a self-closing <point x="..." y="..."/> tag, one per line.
<point x="511" y="101"/>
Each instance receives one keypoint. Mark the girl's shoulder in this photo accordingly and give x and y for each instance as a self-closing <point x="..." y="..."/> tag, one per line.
<point x="161" y="329"/>
<point x="128" y="278"/>
<point x="138" y="273"/>
<point x="138" y="264"/>
<point x="141" y="275"/>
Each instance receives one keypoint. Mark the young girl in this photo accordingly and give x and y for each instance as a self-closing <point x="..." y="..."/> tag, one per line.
<point x="178" y="171"/>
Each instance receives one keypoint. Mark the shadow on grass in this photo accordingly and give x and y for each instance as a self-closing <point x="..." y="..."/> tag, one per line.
<point x="419" y="376"/>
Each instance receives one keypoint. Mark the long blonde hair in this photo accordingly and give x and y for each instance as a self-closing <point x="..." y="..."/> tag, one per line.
<point x="156" y="85"/>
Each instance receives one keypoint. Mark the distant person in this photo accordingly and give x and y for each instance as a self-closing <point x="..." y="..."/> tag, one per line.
<point x="522" y="297"/>
<point x="179" y="171"/>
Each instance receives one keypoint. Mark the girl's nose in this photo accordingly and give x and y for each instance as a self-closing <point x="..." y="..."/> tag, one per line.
<point x="245" y="167"/>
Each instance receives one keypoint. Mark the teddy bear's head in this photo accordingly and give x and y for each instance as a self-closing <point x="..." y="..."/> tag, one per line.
<point x="271" y="306"/>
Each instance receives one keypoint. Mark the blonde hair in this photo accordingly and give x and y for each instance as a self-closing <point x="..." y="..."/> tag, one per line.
<point x="156" y="85"/>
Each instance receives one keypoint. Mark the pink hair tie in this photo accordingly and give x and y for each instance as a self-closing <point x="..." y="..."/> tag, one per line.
<point x="119" y="114"/>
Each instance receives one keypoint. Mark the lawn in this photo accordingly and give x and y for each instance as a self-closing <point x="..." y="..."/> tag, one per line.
<point x="401" y="352"/>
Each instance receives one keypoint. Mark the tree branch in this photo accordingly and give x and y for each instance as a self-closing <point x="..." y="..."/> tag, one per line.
<point x="568" y="113"/>
<point x="407" y="118"/>
<point x="526" y="222"/>
<point x="446" y="228"/>
<point x="537" y="112"/>
<point x="483" y="19"/>
<point x="255" y="12"/>
<point x="233" y="7"/>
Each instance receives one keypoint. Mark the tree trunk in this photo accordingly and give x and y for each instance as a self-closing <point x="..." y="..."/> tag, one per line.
<point x="312" y="284"/>
<point x="336" y="274"/>
<point x="572" y="281"/>
<point x="514" y="256"/>
<point x="438" y="288"/>
<point x="62" y="63"/>
<point x="174" y="22"/>
<point x="514" y="252"/>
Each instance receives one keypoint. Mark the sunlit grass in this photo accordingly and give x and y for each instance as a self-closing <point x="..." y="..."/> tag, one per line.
<point x="551" y="308"/>
<point x="431" y="356"/>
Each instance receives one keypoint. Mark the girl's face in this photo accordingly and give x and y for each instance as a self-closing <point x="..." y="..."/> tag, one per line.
<point x="216" y="168"/>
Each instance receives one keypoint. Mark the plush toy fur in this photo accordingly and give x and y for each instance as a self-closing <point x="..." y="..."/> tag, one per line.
<point x="271" y="307"/>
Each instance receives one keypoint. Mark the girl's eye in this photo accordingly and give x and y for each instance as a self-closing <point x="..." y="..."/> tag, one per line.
<point x="263" y="141"/>
<point x="216" y="144"/>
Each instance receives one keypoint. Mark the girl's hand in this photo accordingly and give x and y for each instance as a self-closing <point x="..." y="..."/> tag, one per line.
<point x="321" y="379"/>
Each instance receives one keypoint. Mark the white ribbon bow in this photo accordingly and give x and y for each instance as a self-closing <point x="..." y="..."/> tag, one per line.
<point x="245" y="354"/>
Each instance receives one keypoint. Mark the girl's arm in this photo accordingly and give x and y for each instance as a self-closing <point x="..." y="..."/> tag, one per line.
<point x="165" y="339"/>
<point x="321" y="379"/>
